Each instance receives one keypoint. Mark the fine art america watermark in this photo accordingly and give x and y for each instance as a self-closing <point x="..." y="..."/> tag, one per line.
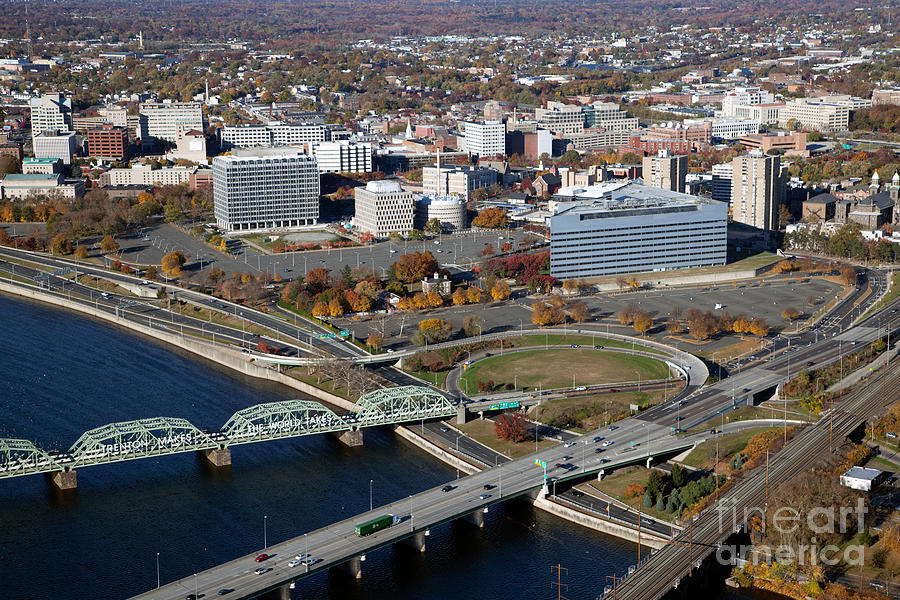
<point x="787" y="521"/>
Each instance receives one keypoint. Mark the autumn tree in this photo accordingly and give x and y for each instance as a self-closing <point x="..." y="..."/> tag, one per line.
<point x="317" y="281"/>
<point x="172" y="262"/>
<point x="488" y="250"/>
<point x="419" y="301"/>
<point x="642" y="321"/>
<point x="473" y="325"/>
<point x="434" y="299"/>
<point x="511" y="427"/>
<point x="375" y="340"/>
<point x="491" y="218"/>
<point x="740" y="324"/>
<point x="500" y="291"/>
<point x="848" y="275"/>
<point x="5" y="238"/>
<point x="109" y="245"/>
<point x="546" y="314"/>
<point x="759" y="327"/>
<point x="459" y="296"/>
<point x="431" y="331"/>
<point x="320" y="309"/>
<point x="790" y="314"/>
<point x="433" y="226"/>
<point x="579" y="312"/>
<point x="674" y="326"/>
<point x="150" y="273"/>
<point x="414" y="267"/>
<point x="81" y="252"/>
<point x="60" y="244"/>
<point x="626" y="315"/>
<point x="473" y="294"/>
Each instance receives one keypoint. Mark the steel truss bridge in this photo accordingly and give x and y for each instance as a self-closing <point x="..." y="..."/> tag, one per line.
<point x="160" y="436"/>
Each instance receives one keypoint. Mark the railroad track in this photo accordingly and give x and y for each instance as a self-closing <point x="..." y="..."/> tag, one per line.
<point x="658" y="574"/>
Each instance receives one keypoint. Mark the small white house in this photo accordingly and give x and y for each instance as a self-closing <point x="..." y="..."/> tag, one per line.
<point x="861" y="478"/>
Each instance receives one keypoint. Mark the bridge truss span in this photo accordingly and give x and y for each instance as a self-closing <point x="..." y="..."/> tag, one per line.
<point x="399" y="404"/>
<point x="272" y="420"/>
<point x="22" y="457"/>
<point x="130" y="440"/>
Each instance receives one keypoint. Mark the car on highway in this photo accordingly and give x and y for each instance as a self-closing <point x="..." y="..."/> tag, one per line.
<point x="311" y="561"/>
<point x="576" y="346"/>
<point x="613" y="427"/>
<point x="488" y="486"/>
<point x="302" y="555"/>
<point x="598" y="438"/>
<point x="295" y="563"/>
<point x="613" y="390"/>
<point x="603" y="461"/>
<point x="190" y="597"/>
<point x="261" y="557"/>
<point x="647" y="521"/>
<point x="598" y="347"/>
<point x="445" y="429"/>
<point x="598" y="450"/>
<point x="581" y="388"/>
<point x="891" y="435"/>
<point x="577" y="493"/>
<point x="484" y="496"/>
<point x="447" y="488"/>
<point x="607" y="443"/>
<point x="569" y="444"/>
<point x="810" y="363"/>
<point x="224" y="591"/>
<point x="262" y="570"/>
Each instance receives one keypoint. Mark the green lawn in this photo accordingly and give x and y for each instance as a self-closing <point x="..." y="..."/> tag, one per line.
<point x="438" y="379"/>
<point x="704" y="455"/>
<point x="553" y="369"/>
<point x="554" y="338"/>
<point x="586" y="413"/>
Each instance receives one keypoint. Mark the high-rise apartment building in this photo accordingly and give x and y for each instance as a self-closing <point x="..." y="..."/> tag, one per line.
<point x="721" y="182"/>
<point x="265" y="188"/>
<point x="573" y="119"/>
<point x="485" y="139"/>
<point x="50" y="112"/>
<point x="382" y="208"/>
<point x="272" y="134"/>
<point x="821" y="114"/>
<point x="163" y="120"/>
<point x="744" y="96"/>
<point x="456" y="180"/>
<point x="665" y="170"/>
<point x="757" y="190"/>
<point x="107" y="141"/>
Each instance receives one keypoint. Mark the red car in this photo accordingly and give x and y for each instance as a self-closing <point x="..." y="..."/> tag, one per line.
<point x="261" y="557"/>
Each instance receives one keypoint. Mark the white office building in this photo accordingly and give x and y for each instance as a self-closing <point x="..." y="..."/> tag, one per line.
<point x="732" y="129"/>
<point x="382" y="208"/>
<point x="619" y="228"/>
<point x="456" y="180"/>
<point x="343" y="156"/>
<point x="573" y="119"/>
<point x="449" y="210"/>
<point x="145" y="175"/>
<point x="820" y="114"/>
<point x="161" y="121"/>
<point x="50" y="112"/>
<point x="271" y="134"/>
<point x="744" y="96"/>
<point x="265" y="188"/>
<point x="55" y="144"/>
<point x="485" y="139"/>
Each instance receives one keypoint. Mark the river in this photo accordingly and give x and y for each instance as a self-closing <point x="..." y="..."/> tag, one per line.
<point x="62" y="374"/>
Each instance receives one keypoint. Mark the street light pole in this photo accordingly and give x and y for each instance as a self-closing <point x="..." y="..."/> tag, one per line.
<point x="157" y="570"/>
<point x="370" y="495"/>
<point x="265" y="532"/>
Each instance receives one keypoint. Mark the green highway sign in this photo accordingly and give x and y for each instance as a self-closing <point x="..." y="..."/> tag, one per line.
<point x="327" y="335"/>
<point x="345" y="333"/>
<point x="502" y="405"/>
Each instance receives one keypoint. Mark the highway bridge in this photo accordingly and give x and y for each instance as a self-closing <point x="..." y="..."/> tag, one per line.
<point x="633" y="440"/>
<point x="144" y="438"/>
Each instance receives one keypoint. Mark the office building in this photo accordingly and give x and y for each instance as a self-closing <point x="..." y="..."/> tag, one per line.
<point x="793" y="144"/>
<point x="485" y="139"/>
<point x="265" y="188"/>
<point x="44" y="166"/>
<point x="732" y="129"/>
<point x="190" y="145"/>
<point x="16" y="186"/>
<point x="816" y="113"/>
<point x="620" y="228"/>
<point x="887" y="96"/>
<point x="721" y="182"/>
<point x="55" y="144"/>
<point x="529" y="144"/>
<point x="146" y="176"/>
<point x="449" y="210"/>
<point x="456" y="180"/>
<point x="744" y="96"/>
<point x="272" y="134"/>
<point x="343" y="156"/>
<point x="50" y="112"/>
<point x="107" y="141"/>
<point x="765" y="114"/>
<point x="757" y="190"/>
<point x="573" y="119"/>
<point x="665" y="170"/>
<point x="493" y="111"/>
<point x="161" y="121"/>
<point x="383" y="208"/>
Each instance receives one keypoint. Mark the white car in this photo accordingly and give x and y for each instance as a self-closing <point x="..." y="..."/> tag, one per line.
<point x="607" y="443"/>
<point x="581" y="388"/>
<point x="295" y="563"/>
<point x="302" y="555"/>
<point x="569" y="444"/>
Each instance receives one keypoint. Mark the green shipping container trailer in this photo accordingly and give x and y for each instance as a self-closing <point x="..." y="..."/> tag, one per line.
<point x="374" y="525"/>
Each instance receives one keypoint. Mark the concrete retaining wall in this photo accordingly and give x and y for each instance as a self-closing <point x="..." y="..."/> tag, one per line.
<point x="598" y="524"/>
<point x="222" y="356"/>
<point x="659" y="280"/>
<point x="435" y="450"/>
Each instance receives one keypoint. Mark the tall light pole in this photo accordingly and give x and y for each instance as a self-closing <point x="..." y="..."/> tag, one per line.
<point x="265" y="532"/>
<point x="157" y="570"/>
<point x="370" y="495"/>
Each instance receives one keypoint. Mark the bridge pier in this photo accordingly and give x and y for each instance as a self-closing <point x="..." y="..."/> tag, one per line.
<point x="475" y="518"/>
<point x="416" y="541"/>
<point x="64" y="480"/>
<point x="462" y="415"/>
<point x="281" y="593"/>
<point x="217" y="457"/>
<point x="352" y="567"/>
<point x="600" y="474"/>
<point x="649" y="461"/>
<point x="352" y="437"/>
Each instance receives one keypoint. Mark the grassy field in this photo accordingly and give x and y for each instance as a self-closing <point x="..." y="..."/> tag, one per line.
<point x="552" y="369"/>
<point x="483" y="431"/>
<point x="438" y="379"/>
<point x="585" y="413"/>
<point x="258" y="239"/>
<point x="704" y="455"/>
<point x="103" y="285"/>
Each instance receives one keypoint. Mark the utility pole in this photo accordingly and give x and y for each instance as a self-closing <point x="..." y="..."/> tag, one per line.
<point x="558" y="584"/>
<point x="640" y="518"/>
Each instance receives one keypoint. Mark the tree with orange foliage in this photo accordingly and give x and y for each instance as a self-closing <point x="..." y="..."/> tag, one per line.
<point x="473" y="294"/>
<point x="579" y="312"/>
<point x="491" y="218"/>
<point x="642" y="321"/>
<point x="459" y="296"/>
<point x="511" y="427"/>
<point x="433" y="299"/>
<point x="501" y="290"/>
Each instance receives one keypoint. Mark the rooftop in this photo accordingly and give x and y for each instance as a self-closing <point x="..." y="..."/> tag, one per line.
<point x="863" y="473"/>
<point x="23" y="177"/>
<point x="623" y="198"/>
